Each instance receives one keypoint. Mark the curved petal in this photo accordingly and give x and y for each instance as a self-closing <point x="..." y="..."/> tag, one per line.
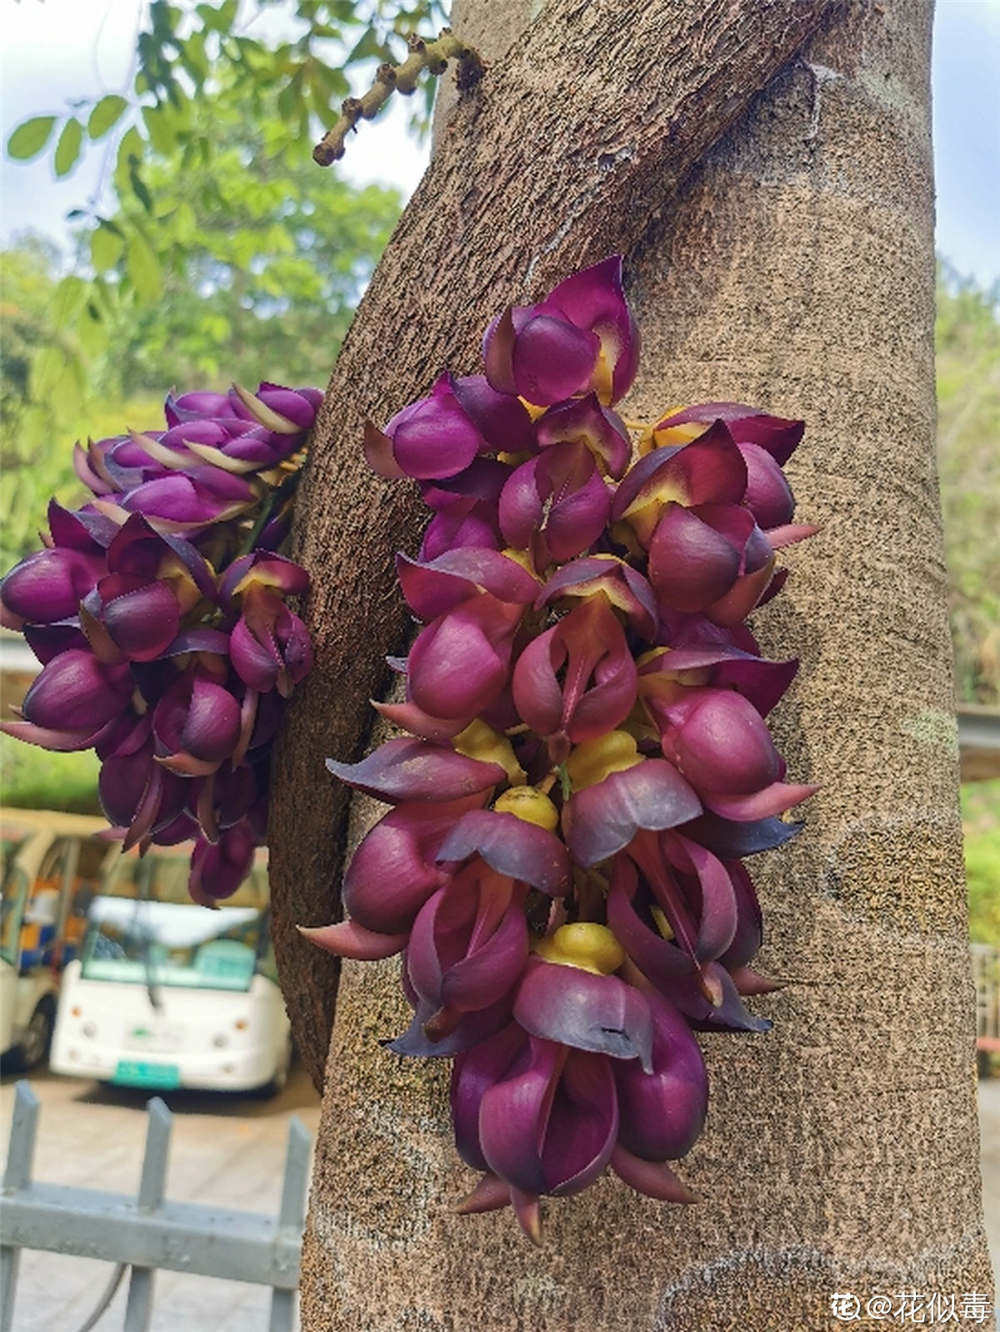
<point x="662" y="1110"/>
<point x="604" y="818"/>
<point x="653" y="1179"/>
<point x="473" y="1074"/>
<point x="349" y="939"/>
<point x="691" y="565"/>
<point x="773" y="799"/>
<point x="585" y="1010"/>
<point x="511" y="846"/>
<point x="410" y="769"/>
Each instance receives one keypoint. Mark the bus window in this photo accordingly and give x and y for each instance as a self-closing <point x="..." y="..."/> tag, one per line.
<point x="171" y="943"/>
<point x="91" y="856"/>
<point x="40" y="924"/>
<point x="15" y="887"/>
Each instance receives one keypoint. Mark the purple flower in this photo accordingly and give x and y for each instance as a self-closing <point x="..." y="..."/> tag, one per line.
<point x="395" y="868"/>
<point x="585" y="1010"/>
<point x="709" y="471"/>
<point x="269" y="645"/>
<point x="671" y="673"/>
<point x="218" y="869"/>
<point x="555" y="505"/>
<point x="720" y="743"/>
<point x="700" y="986"/>
<point x="662" y="1109"/>
<point x="580" y="338"/>
<point x="598" y="685"/>
<point x="711" y="559"/>
<point x="585" y="421"/>
<point x="196" y="724"/>
<point x="603" y="818"/>
<point x="600" y="577"/>
<point x="139" y="795"/>
<point x="467" y="947"/>
<point x="747" y="425"/>
<point x="474" y="600"/>
<point x="285" y="411"/>
<point x="460" y="662"/>
<point x="440" y="436"/>
<point x="539" y="1117"/>
<point x="49" y="585"/>
<point x="76" y="692"/>
<point x="512" y="846"/>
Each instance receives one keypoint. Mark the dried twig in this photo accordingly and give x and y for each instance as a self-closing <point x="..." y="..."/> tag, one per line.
<point x="431" y="56"/>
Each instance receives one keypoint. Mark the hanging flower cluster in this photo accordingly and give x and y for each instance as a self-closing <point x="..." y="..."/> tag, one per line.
<point x="587" y="760"/>
<point x="158" y="613"/>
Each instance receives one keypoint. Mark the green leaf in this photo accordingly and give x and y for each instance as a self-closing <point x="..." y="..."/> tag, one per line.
<point x="105" y="248"/>
<point x="143" y="268"/>
<point x="368" y="48"/>
<point x="68" y="147"/>
<point x="91" y="330"/>
<point x="106" y="113"/>
<point x="30" y="137"/>
<point x="139" y="188"/>
<point x="67" y="299"/>
<point x="218" y="18"/>
<point x="185" y="223"/>
<point x="130" y="150"/>
<point x="51" y="374"/>
<point x="160" y="128"/>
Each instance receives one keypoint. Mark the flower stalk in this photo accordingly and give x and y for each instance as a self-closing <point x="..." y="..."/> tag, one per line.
<point x="584" y="760"/>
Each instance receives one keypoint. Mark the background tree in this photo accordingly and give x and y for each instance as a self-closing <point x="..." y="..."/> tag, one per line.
<point x="968" y="377"/>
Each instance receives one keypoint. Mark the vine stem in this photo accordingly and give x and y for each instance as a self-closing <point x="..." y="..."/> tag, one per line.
<point x="431" y="56"/>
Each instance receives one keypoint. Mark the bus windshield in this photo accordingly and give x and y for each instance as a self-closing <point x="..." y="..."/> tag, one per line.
<point x="173" y="943"/>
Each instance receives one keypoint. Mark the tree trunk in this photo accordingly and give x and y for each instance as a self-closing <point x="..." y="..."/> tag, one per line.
<point x="795" y="271"/>
<point x="561" y="158"/>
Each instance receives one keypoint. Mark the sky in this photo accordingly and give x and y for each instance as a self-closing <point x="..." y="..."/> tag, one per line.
<point x="57" y="49"/>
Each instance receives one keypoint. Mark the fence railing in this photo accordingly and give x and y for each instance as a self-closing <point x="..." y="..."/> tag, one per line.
<point x="147" y="1232"/>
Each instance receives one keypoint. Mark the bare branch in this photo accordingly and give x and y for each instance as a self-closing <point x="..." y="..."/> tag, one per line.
<point x="430" y="56"/>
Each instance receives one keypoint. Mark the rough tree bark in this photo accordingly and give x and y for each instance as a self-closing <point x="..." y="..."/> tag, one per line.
<point x="795" y="270"/>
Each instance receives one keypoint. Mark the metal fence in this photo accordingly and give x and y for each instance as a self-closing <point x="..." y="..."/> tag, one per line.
<point x="140" y="1234"/>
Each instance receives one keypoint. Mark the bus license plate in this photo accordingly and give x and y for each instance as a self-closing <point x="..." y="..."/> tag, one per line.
<point x="137" y="1073"/>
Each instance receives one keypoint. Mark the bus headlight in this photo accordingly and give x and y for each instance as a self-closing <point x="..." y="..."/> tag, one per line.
<point x="220" y="1041"/>
<point x="89" y="1029"/>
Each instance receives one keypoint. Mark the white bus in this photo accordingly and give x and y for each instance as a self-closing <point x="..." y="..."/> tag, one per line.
<point x="52" y="865"/>
<point x="166" y="994"/>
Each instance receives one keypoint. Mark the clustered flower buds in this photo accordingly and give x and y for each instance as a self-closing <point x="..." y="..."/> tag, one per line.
<point x="586" y="761"/>
<point x="158" y="613"/>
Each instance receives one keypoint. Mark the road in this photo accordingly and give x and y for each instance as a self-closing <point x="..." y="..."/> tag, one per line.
<point x="227" y="1150"/>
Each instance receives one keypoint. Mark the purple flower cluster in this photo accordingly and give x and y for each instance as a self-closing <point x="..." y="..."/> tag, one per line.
<point x="586" y="760"/>
<point x="158" y="613"/>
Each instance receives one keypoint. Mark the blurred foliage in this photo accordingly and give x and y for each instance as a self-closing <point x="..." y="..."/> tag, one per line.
<point x="261" y="262"/>
<point x="968" y="386"/>
<point x="32" y="778"/>
<point x="283" y="64"/>
<point x="981" y="826"/>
